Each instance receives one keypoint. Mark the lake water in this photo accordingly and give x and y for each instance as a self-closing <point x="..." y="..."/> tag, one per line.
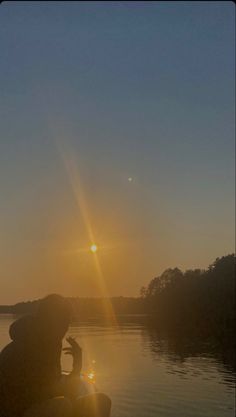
<point x="147" y="375"/>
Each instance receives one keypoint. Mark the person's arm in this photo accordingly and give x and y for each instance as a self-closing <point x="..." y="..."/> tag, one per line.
<point x="75" y="350"/>
<point x="69" y="384"/>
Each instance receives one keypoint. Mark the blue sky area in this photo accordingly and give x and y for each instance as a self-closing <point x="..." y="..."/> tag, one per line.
<point x="116" y="90"/>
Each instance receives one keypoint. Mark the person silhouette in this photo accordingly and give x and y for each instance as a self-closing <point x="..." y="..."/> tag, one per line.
<point x="31" y="380"/>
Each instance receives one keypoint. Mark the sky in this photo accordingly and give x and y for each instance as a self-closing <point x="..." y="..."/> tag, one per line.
<point x="116" y="129"/>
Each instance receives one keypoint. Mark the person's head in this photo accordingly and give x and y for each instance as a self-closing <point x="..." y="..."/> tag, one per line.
<point x="55" y="311"/>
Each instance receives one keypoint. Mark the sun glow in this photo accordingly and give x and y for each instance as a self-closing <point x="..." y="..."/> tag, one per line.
<point x="76" y="185"/>
<point x="93" y="248"/>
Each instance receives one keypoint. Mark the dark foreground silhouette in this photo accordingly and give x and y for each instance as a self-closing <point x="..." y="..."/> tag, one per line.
<point x="195" y="302"/>
<point x="31" y="381"/>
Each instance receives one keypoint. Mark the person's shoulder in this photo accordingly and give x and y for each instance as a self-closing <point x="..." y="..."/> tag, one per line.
<point x="6" y="349"/>
<point x="22" y="328"/>
<point x="6" y="352"/>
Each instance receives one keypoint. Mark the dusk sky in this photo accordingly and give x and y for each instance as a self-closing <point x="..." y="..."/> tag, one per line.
<point x="116" y="129"/>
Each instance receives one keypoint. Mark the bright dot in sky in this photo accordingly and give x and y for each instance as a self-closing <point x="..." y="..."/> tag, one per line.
<point x="130" y="179"/>
<point x="93" y="248"/>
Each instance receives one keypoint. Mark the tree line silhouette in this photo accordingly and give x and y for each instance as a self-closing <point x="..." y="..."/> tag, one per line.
<point x="199" y="301"/>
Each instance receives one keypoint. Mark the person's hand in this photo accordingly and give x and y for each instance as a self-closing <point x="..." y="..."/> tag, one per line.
<point x="75" y="350"/>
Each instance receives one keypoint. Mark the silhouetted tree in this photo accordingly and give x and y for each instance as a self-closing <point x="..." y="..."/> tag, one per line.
<point x="202" y="300"/>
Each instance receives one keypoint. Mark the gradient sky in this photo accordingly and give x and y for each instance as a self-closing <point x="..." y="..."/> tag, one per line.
<point x="93" y="93"/>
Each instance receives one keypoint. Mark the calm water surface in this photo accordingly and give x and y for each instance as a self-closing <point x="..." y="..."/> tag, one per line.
<point x="147" y="375"/>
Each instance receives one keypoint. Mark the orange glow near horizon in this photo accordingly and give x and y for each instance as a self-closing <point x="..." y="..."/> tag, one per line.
<point x="75" y="182"/>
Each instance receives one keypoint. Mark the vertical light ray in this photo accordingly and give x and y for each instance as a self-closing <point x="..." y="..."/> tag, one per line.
<point x="73" y="175"/>
<point x="74" y="178"/>
<point x="110" y="314"/>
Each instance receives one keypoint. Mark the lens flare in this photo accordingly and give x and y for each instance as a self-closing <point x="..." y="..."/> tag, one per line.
<point x="79" y="194"/>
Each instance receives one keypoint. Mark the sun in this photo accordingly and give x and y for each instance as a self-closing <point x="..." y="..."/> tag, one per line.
<point x="93" y="248"/>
